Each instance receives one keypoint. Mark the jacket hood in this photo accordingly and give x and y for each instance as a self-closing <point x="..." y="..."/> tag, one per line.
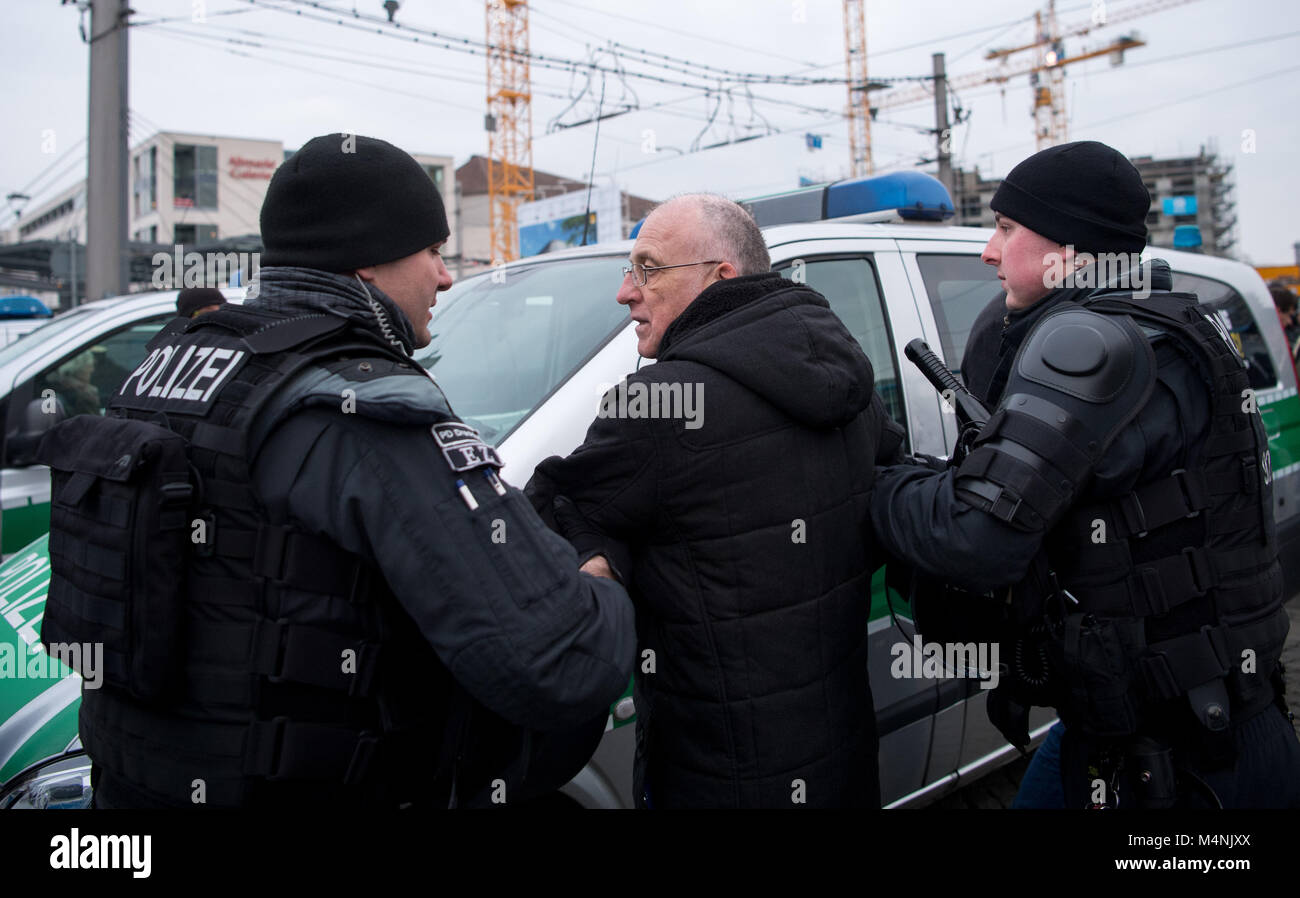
<point x="779" y="339"/>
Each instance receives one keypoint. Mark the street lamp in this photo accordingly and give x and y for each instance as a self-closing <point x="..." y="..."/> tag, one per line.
<point x="18" y="199"/>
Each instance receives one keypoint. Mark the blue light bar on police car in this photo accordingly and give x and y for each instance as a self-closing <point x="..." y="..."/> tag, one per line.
<point x="910" y="195"/>
<point x="914" y="195"/>
<point x="23" y="307"/>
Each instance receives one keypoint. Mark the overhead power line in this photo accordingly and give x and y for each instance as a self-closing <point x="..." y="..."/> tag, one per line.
<point x="1176" y="57"/>
<point x="241" y="48"/>
<point x="45" y="171"/>
<point x="713" y="40"/>
<point x="1149" y="109"/>
<point x="256" y="41"/>
<point x="477" y="47"/>
<point x="142" y="23"/>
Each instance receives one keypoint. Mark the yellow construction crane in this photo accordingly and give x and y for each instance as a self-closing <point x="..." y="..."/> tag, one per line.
<point x="858" y="111"/>
<point x="509" y="123"/>
<point x="1046" y="69"/>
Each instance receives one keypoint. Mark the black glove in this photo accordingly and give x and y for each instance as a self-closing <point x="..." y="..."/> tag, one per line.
<point x="1010" y="717"/>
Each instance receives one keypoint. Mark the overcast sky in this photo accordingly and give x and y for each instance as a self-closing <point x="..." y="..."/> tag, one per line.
<point x="1218" y="73"/>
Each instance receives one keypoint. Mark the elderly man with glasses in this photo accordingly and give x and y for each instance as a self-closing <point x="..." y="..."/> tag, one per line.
<point x="737" y="519"/>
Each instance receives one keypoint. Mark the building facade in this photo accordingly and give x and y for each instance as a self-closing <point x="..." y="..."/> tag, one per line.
<point x="475" y="227"/>
<point x="188" y="189"/>
<point x="1194" y="190"/>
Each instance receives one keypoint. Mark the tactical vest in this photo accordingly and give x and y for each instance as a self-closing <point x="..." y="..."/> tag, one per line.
<point x="1169" y="599"/>
<point x="297" y="678"/>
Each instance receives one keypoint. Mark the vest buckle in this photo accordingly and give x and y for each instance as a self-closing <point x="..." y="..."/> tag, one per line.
<point x="262" y="757"/>
<point x="1134" y="515"/>
<point x="1193" y="494"/>
<point x="359" y="768"/>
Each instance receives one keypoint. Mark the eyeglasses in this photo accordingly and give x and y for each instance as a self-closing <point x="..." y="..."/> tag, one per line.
<point x="641" y="272"/>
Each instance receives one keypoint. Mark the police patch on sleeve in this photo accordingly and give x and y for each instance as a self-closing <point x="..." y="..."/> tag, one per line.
<point x="462" y="446"/>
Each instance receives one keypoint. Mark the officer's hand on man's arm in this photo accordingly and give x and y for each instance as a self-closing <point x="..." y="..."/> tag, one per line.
<point x="598" y="566"/>
<point x="589" y="542"/>
<point x="601" y="493"/>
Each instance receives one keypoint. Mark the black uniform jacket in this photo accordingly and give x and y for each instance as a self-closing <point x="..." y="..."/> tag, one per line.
<point x="502" y="604"/>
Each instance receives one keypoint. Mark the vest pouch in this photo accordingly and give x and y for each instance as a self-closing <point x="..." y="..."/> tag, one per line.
<point x="120" y="492"/>
<point x="1099" y="676"/>
<point x="1256" y="643"/>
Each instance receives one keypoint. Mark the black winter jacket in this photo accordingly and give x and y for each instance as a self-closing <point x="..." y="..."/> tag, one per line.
<point x="750" y="559"/>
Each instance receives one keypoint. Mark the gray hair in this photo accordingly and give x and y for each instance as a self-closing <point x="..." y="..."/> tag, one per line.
<point x="729" y="230"/>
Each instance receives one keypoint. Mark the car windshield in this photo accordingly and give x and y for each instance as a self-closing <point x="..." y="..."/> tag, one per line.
<point x="53" y="330"/>
<point x="505" y="339"/>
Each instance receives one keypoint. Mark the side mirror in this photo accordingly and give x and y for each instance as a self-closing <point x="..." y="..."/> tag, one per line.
<point x="39" y="419"/>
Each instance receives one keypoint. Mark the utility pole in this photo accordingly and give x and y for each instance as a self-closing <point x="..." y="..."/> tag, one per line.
<point x="72" y="265"/>
<point x="942" y="130"/>
<point x="460" y="234"/>
<point x="106" y="187"/>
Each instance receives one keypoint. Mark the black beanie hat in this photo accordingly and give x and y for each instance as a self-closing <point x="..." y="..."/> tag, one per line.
<point x="344" y="202"/>
<point x="191" y="299"/>
<point x="1085" y="194"/>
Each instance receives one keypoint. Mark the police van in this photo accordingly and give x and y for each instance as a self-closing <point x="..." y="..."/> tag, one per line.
<point x="525" y="353"/>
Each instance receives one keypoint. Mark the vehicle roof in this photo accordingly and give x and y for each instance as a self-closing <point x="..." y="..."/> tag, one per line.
<point x="788" y="233"/>
<point x="776" y="235"/>
<point x="232" y="294"/>
<point x="1198" y="263"/>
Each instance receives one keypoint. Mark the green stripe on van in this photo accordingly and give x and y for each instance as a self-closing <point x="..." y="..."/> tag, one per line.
<point x="1282" y="422"/>
<point x="22" y="524"/>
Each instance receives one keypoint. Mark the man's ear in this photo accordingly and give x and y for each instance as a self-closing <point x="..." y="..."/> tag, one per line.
<point x="727" y="270"/>
<point x="366" y="274"/>
<point x="1068" y="256"/>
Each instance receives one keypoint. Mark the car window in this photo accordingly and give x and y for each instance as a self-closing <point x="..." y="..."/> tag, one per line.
<point x="959" y="287"/>
<point x="1227" y="304"/>
<point x="504" y="341"/>
<point x="86" y="379"/>
<point x="52" y="330"/>
<point x="850" y="286"/>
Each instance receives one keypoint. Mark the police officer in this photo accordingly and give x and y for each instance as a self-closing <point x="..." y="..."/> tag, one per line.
<point x="1115" y="510"/>
<point x="365" y="615"/>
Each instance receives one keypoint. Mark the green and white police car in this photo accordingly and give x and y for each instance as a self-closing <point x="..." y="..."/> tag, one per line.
<point x="525" y="353"/>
